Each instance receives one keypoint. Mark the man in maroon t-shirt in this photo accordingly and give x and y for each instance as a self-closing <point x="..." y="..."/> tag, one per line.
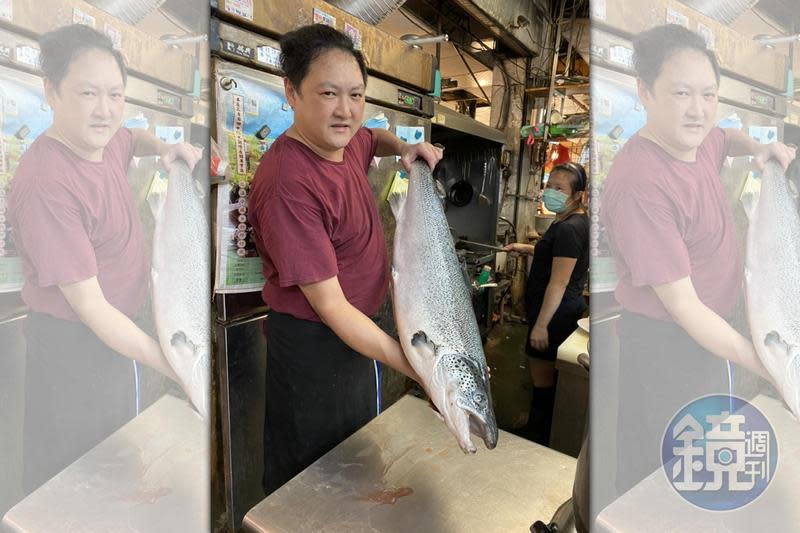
<point x="324" y="257"/>
<point x="671" y="230"/>
<point x="81" y="242"/>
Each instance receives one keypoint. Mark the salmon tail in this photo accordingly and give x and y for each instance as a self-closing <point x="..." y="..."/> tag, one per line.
<point x="750" y="195"/>
<point x="793" y="178"/>
<point x="398" y="192"/>
<point x="157" y="194"/>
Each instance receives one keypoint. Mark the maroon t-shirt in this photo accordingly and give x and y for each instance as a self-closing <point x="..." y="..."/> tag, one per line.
<point x="74" y="219"/>
<point x="314" y="219"/>
<point x="668" y="219"/>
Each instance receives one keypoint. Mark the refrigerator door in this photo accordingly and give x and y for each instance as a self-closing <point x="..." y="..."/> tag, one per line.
<point x="735" y="171"/>
<point x="24" y="115"/>
<point x="616" y="115"/>
<point x="241" y="358"/>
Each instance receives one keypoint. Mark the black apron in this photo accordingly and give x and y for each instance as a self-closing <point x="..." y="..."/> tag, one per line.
<point x="319" y="392"/>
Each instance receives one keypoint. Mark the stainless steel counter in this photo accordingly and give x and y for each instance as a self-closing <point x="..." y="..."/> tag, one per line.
<point x="404" y="472"/>
<point x="149" y="476"/>
<point x="653" y="505"/>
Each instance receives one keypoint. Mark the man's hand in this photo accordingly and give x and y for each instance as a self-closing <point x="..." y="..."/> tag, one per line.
<point x="778" y="151"/>
<point x="354" y="328"/>
<point x="172" y="152"/>
<point x="411" y="152"/>
<point x="111" y="326"/>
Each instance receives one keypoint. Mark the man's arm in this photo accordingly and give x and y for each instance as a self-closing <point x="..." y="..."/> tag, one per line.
<point x="146" y="144"/>
<point x="355" y="328"/>
<point x="743" y="144"/>
<point x="390" y="144"/>
<point x="111" y="326"/>
<point x="706" y="327"/>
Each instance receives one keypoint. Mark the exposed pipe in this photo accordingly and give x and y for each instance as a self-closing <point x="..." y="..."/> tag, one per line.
<point x="724" y="11"/>
<point x="416" y="40"/>
<point x="521" y="157"/>
<point x="130" y="11"/>
<point x="767" y="39"/>
<point x="174" y="40"/>
<point x="372" y="11"/>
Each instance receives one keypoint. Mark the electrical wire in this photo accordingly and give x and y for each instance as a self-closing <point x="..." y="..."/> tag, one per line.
<point x="498" y="62"/>
<point x="767" y="22"/>
<point x="173" y="21"/>
<point x="506" y="89"/>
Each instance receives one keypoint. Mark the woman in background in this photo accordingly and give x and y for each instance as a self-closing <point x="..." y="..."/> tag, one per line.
<point x="554" y="292"/>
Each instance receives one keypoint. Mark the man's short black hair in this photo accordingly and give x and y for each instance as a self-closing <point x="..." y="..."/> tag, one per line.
<point x="299" y="48"/>
<point x="60" y="47"/>
<point x="653" y="47"/>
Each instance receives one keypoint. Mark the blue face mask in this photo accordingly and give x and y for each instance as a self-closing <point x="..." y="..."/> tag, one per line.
<point x="554" y="200"/>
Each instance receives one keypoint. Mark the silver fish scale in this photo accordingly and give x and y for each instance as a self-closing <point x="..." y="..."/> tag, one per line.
<point x="181" y="282"/>
<point x="445" y="312"/>
<point x="456" y="366"/>
<point x="772" y="278"/>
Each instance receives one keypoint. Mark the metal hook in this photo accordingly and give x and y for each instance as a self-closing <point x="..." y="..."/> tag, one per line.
<point x="228" y="83"/>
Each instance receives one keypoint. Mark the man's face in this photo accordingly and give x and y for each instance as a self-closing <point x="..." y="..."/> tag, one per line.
<point x="88" y="103"/>
<point x="329" y="106"/>
<point x="682" y="102"/>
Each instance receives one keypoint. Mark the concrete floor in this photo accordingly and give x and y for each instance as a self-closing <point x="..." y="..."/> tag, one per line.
<point x="511" y="385"/>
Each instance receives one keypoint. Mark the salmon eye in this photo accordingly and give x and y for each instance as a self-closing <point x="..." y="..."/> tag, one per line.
<point x="478" y="397"/>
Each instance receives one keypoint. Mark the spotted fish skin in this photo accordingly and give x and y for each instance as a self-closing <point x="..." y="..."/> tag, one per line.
<point x="433" y="311"/>
<point x="772" y="277"/>
<point x="181" y="283"/>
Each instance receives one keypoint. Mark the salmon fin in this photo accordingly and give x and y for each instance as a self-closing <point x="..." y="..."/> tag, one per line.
<point x="421" y="342"/>
<point x="773" y="340"/>
<point x="751" y="191"/>
<point x="182" y="343"/>
<point x="157" y="194"/>
<point x="398" y="192"/>
<point x="793" y="179"/>
<point x="750" y="204"/>
<point x="397" y="199"/>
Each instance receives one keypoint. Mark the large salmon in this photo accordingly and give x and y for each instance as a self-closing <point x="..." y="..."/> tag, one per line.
<point x="434" y="316"/>
<point x="181" y="283"/>
<point x="772" y="276"/>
